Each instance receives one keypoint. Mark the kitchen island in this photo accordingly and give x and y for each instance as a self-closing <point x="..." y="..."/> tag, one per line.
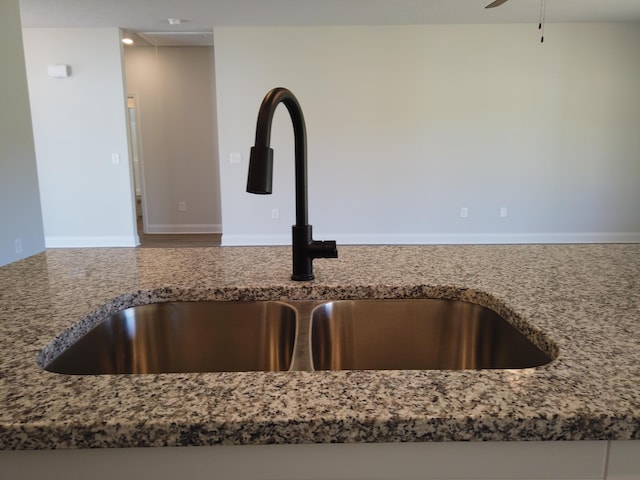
<point x="581" y="303"/>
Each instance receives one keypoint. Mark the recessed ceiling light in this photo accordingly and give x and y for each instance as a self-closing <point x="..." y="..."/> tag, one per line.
<point x="175" y="21"/>
<point x="127" y="41"/>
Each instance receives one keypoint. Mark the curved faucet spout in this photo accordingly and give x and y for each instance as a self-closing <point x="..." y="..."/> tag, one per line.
<point x="261" y="160"/>
<point x="260" y="179"/>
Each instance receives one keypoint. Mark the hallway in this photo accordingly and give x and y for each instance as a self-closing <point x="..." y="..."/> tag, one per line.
<point x="175" y="240"/>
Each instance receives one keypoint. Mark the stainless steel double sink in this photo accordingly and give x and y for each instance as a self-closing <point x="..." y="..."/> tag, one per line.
<point x="235" y="336"/>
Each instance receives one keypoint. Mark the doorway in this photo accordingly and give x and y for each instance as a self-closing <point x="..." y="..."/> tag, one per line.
<point x="173" y="134"/>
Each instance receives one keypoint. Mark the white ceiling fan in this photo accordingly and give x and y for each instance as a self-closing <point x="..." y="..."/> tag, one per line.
<point x="497" y="3"/>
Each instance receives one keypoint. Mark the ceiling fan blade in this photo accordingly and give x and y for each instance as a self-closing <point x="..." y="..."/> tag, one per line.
<point x="497" y="3"/>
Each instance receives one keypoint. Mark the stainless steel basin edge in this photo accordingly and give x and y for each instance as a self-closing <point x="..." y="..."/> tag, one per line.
<point x="307" y="335"/>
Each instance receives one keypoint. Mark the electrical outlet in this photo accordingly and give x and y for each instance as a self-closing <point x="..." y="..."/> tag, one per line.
<point x="235" y="158"/>
<point x="503" y="212"/>
<point x="275" y="213"/>
<point x="464" y="212"/>
<point x="182" y="207"/>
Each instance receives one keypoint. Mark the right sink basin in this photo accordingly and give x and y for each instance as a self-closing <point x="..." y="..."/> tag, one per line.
<point x="416" y="334"/>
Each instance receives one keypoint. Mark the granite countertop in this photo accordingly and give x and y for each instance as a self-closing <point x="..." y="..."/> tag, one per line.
<point x="585" y="299"/>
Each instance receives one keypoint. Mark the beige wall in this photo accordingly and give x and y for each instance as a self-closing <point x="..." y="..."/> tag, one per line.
<point x="174" y="87"/>
<point x="407" y="125"/>
<point x="79" y="124"/>
<point x="21" y="232"/>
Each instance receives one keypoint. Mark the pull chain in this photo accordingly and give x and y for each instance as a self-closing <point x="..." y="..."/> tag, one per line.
<point x="541" y="23"/>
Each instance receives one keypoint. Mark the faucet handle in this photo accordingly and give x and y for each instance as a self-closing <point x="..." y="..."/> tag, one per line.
<point x="323" y="249"/>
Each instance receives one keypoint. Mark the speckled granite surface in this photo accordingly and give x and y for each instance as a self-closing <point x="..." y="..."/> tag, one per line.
<point x="585" y="299"/>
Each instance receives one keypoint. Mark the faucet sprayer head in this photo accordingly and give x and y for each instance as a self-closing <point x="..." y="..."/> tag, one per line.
<point x="260" y="177"/>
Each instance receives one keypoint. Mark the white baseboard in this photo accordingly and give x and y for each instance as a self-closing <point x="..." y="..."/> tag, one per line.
<point x="87" y="242"/>
<point x="440" y="238"/>
<point x="184" y="228"/>
<point x="354" y="239"/>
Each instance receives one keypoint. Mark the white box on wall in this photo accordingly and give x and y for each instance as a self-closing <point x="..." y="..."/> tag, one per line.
<point x="59" y="71"/>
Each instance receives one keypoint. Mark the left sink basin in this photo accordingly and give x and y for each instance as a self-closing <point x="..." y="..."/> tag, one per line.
<point x="186" y="337"/>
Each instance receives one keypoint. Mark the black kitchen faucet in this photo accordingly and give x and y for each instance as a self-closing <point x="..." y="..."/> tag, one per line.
<point x="260" y="179"/>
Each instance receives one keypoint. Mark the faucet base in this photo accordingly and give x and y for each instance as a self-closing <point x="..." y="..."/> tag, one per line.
<point x="302" y="266"/>
<point x="302" y="277"/>
<point x="305" y="249"/>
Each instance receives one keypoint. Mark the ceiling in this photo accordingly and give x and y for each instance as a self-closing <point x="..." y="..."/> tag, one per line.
<point x="202" y="15"/>
<point x="199" y="15"/>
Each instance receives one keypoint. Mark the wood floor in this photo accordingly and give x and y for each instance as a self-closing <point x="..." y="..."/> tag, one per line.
<point x="173" y="240"/>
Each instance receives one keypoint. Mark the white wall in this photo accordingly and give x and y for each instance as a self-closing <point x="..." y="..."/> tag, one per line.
<point x="20" y="215"/>
<point x="406" y="125"/>
<point x="174" y="87"/>
<point x="79" y="122"/>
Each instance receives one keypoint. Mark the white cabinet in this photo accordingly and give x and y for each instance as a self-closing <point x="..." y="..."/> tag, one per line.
<point x="405" y="461"/>
<point x="624" y="461"/>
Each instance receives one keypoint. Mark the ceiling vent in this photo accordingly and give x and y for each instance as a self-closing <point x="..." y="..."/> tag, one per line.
<point x="178" y="39"/>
